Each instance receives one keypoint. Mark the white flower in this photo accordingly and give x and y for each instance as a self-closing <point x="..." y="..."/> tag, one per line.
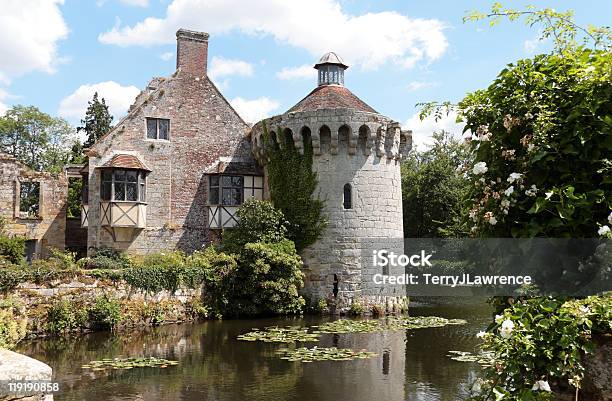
<point x="610" y="218"/>
<point x="549" y="194"/>
<point x="532" y="191"/>
<point x="584" y="310"/>
<point x="498" y="318"/>
<point x="481" y="334"/>
<point x="506" y="328"/>
<point x="505" y="203"/>
<point x="530" y="147"/>
<point x="514" y="177"/>
<point x="492" y="221"/>
<point x="480" y="168"/>
<point x="603" y="230"/>
<point x="541" y="385"/>
<point x="509" y="191"/>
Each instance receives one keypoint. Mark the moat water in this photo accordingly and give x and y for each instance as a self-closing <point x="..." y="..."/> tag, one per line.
<point x="411" y="365"/>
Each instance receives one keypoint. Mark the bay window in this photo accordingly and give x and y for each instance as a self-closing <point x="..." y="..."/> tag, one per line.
<point x="123" y="185"/>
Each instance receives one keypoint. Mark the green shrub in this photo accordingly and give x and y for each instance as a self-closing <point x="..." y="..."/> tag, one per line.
<point x="543" y="339"/>
<point x="267" y="280"/>
<point x="65" y="316"/>
<point x="13" y="323"/>
<point x="105" y="313"/>
<point x="321" y="306"/>
<point x="63" y="260"/>
<point x="219" y="271"/>
<point x="542" y="161"/>
<point x="154" y="313"/>
<point x="356" y="308"/>
<point x="258" y="221"/>
<point x="157" y="272"/>
<point x="199" y="310"/>
<point x="12" y="248"/>
<point x="107" y="258"/>
<point x="42" y="271"/>
<point x="10" y="277"/>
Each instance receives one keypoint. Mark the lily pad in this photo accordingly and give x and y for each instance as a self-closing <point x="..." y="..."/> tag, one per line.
<point x="128" y="363"/>
<point x="315" y="354"/>
<point x="389" y="324"/>
<point x="485" y="358"/>
<point x="287" y="335"/>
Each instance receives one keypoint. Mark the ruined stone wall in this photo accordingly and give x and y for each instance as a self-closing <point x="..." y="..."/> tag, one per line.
<point x="363" y="150"/>
<point x="203" y="128"/>
<point x="49" y="227"/>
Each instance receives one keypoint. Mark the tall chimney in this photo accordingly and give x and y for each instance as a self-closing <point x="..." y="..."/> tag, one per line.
<point x="191" y="51"/>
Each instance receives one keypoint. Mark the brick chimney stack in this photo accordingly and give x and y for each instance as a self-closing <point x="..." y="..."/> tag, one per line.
<point x="191" y="52"/>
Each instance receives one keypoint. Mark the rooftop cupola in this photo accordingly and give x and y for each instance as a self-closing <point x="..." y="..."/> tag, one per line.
<point x="331" y="69"/>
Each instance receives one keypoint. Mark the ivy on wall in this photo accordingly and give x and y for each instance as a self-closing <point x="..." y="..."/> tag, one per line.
<point x="292" y="184"/>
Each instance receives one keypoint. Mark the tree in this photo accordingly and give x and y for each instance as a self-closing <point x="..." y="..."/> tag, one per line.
<point x="97" y="121"/>
<point x="433" y="189"/>
<point x="35" y="138"/>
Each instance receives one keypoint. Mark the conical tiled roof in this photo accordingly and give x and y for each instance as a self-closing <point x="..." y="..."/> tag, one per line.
<point x="331" y="97"/>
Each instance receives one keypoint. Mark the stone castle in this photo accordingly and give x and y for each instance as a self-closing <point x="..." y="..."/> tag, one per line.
<point x="173" y="172"/>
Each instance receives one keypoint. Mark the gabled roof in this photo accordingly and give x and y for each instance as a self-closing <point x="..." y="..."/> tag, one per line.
<point x="125" y="161"/>
<point x="331" y="97"/>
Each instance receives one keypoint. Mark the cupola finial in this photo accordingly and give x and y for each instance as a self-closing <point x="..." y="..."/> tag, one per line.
<point x="330" y="69"/>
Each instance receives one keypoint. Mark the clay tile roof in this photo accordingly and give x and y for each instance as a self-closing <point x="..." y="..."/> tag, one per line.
<point x="125" y="161"/>
<point x="331" y="97"/>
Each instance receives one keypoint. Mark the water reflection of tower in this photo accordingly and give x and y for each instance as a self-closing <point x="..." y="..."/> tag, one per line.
<point x="379" y="378"/>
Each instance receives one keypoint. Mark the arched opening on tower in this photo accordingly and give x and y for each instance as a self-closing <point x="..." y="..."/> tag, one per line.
<point x="273" y="139"/>
<point x="362" y="140"/>
<point x="287" y="139"/>
<point x="348" y="197"/>
<point x="325" y="137"/>
<point x="343" y="139"/>
<point x="307" y="140"/>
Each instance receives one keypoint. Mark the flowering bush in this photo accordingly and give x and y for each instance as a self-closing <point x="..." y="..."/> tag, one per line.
<point x="541" y="139"/>
<point x="538" y="346"/>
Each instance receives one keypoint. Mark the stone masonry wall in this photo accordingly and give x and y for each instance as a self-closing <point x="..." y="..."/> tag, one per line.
<point x="50" y="226"/>
<point x="203" y="129"/>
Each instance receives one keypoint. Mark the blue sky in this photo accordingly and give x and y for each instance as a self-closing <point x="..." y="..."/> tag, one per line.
<point x="56" y="53"/>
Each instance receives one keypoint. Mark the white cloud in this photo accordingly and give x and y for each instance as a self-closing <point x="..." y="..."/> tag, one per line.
<point x="137" y="3"/>
<point x="3" y="106"/>
<point x="29" y="32"/>
<point x="166" y="56"/>
<point x="532" y="45"/>
<point x="223" y="67"/>
<point x="301" y="72"/>
<point x="254" y="110"/>
<point x="369" y="40"/>
<point x="416" y="85"/>
<point x="117" y="97"/>
<point x="422" y="130"/>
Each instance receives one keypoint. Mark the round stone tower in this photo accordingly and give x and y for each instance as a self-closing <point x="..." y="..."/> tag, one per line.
<point x="356" y="155"/>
